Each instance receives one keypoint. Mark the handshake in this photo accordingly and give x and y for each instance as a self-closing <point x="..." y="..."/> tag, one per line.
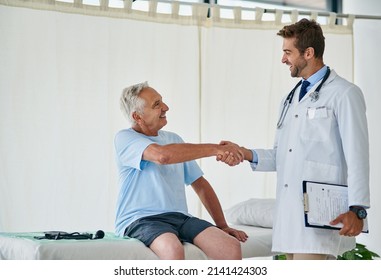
<point x="232" y="154"/>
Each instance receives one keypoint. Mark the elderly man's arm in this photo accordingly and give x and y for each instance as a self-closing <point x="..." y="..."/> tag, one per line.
<point x="182" y="152"/>
<point x="210" y="200"/>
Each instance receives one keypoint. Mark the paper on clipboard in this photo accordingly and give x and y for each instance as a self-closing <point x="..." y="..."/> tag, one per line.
<point x="323" y="203"/>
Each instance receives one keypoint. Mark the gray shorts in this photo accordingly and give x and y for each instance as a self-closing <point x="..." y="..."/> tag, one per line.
<point x="184" y="227"/>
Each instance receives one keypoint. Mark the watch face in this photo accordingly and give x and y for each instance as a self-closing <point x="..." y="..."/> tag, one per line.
<point x="361" y="213"/>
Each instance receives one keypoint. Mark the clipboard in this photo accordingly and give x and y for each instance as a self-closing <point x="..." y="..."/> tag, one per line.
<point x="324" y="202"/>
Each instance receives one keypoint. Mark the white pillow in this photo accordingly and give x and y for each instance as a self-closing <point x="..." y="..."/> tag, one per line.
<point x="253" y="212"/>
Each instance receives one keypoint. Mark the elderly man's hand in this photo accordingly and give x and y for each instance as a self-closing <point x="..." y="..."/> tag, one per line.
<point x="238" y="234"/>
<point x="230" y="154"/>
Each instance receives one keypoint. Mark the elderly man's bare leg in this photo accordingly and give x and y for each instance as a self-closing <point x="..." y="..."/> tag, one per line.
<point x="218" y="245"/>
<point x="167" y="246"/>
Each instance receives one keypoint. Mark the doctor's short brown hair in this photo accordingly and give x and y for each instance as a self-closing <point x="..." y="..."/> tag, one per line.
<point x="308" y="33"/>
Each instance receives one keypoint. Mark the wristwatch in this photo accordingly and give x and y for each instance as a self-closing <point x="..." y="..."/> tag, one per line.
<point x="359" y="211"/>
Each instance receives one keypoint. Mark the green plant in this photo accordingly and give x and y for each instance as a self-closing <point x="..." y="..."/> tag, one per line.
<point x="280" y="257"/>
<point x="360" y="252"/>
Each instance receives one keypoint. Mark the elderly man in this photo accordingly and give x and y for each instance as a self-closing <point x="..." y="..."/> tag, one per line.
<point x="154" y="167"/>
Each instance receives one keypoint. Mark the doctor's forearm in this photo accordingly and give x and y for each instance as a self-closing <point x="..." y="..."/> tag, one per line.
<point x="248" y="155"/>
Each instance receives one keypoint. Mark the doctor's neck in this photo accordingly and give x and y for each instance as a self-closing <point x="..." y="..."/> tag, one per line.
<point x="312" y="68"/>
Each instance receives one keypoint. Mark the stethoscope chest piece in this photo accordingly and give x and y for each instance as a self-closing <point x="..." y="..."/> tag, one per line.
<point x="314" y="96"/>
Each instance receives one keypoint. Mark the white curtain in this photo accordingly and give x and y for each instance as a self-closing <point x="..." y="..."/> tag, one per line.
<point x="63" y="67"/>
<point x="367" y="39"/>
<point x="61" y="76"/>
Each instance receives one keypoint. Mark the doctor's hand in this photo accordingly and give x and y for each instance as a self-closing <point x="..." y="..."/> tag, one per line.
<point x="238" y="234"/>
<point x="232" y="154"/>
<point x="246" y="153"/>
<point x="352" y="226"/>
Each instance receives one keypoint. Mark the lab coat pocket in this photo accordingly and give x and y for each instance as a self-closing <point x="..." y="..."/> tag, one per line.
<point x="321" y="172"/>
<point x="317" y="124"/>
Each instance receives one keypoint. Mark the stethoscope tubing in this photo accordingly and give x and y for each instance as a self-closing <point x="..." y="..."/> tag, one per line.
<point x="290" y="97"/>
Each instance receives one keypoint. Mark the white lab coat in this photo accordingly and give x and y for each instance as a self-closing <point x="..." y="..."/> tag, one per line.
<point x="323" y="141"/>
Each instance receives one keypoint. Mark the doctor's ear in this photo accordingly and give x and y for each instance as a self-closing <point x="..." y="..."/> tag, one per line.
<point x="309" y="53"/>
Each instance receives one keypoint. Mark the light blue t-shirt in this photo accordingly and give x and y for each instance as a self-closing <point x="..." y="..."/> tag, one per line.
<point x="147" y="188"/>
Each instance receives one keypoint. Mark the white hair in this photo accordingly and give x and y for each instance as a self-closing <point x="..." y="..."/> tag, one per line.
<point x="130" y="101"/>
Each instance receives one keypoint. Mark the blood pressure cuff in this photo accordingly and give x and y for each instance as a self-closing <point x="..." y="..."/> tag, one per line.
<point x="57" y="235"/>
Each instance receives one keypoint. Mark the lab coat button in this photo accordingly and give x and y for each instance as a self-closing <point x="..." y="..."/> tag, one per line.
<point x="286" y="185"/>
<point x="290" y="150"/>
<point x="296" y="116"/>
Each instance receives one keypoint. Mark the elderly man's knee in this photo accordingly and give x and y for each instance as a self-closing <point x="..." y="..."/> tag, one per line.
<point x="174" y="250"/>
<point x="168" y="246"/>
<point x="233" y="250"/>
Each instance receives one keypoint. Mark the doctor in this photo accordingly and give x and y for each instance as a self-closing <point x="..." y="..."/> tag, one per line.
<point x="321" y="136"/>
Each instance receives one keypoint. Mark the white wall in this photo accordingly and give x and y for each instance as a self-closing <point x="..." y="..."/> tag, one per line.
<point x="367" y="39"/>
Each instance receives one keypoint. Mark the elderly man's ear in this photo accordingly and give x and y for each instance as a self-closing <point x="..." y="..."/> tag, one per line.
<point x="136" y="116"/>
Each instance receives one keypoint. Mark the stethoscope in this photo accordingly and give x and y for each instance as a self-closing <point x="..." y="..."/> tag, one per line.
<point x="314" y="97"/>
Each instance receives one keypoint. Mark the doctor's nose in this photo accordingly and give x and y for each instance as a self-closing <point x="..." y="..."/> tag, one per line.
<point x="284" y="59"/>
